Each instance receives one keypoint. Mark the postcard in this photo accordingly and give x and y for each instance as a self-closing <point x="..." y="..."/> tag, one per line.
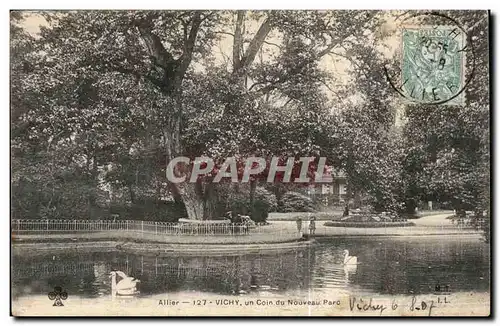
<point x="250" y="163"/>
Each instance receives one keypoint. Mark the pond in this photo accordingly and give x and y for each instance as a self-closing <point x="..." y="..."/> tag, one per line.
<point x="386" y="266"/>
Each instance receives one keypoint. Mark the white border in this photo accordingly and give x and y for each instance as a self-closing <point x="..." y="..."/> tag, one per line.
<point x="254" y="4"/>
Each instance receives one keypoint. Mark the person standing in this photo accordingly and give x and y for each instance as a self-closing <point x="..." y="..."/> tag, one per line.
<point x="299" y="225"/>
<point x="346" y="211"/>
<point x="312" y="225"/>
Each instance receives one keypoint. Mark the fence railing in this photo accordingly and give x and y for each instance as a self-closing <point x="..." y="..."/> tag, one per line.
<point x="470" y="222"/>
<point x="69" y="226"/>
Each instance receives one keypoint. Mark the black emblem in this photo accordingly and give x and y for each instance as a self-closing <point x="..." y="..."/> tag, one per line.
<point x="58" y="295"/>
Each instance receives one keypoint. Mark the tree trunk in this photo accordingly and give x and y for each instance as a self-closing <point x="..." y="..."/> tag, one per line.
<point x="132" y="194"/>
<point x="211" y="202"/>
<point x="186" y="191"/>
<point x="348" y="195"/>
<point x="253" y="186"/>
<point x="193" y="201"/>
<point x="93" y="182"/>
<point x="170" y="84"/>
<point x="410" y="206"/>
<point x="357" y="199"/>
<point x="201" y="202"/>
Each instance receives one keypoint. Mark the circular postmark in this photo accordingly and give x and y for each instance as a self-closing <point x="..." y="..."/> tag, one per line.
<point x="436" y="61"/>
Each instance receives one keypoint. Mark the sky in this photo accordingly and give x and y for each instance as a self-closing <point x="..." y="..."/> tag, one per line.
<point x="33" y="21"/>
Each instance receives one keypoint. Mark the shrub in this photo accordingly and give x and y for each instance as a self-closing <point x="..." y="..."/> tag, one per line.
<point x="149" y="210"/>
<point x="295" y="202"/>
<point x="264" y="202"/>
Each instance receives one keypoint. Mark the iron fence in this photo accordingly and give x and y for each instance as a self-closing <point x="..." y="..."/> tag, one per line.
<point x="70" y="226"/>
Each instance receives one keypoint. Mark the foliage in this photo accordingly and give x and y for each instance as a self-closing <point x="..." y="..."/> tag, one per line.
<point x="116" y="92"/>
<point x="295" y="202"/>
<point x="101" y="101"/>
<point x="447" y="149"/>
<point x="148" y="209"/>
<point x="263" y="202"/>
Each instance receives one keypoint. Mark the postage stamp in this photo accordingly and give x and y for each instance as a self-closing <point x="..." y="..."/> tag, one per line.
<point x="433" y="64"/>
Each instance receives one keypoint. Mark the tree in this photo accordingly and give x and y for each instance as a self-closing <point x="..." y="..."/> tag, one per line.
<point x="105" y="100"/>
<point x="363" y="139"/>
<point x="447" y="147"/>
<point x="115" y="64"/>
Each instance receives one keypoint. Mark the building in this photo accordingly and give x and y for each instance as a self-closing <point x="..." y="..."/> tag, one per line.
<point x="330" y="193"/>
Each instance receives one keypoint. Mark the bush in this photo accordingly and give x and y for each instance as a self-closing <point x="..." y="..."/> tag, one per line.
<point x="295" y="202"/>
<point x="149" y="210"/>
<point x="264" y="202"/>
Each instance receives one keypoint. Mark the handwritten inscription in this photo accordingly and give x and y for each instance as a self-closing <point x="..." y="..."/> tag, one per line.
<point x="422" y="305"/>
<point x="363" y="305"/>
<point x="371" y="305"/>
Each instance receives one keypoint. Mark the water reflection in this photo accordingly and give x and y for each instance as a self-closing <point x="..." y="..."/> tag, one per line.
<point x="402" y="266"/>
<point x="385" y="266"/>
<point x="88" y="274"/>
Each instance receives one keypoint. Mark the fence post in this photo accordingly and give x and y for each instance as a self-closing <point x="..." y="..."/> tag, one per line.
<point x="142" y="226"/>
<point x="47" y="225"/>
<point x="17" y="225"/>
<point x="126" y="223"/>
<point x="156" y="227"/>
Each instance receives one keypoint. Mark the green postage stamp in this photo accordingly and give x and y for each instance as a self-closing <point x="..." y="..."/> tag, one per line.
<point x="433" y="64"/>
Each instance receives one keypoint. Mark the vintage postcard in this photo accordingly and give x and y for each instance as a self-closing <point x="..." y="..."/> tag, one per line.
<point x="250" y="163"/>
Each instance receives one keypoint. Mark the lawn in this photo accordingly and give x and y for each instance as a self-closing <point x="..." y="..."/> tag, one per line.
<point x="292" y="216"/>
<point x="335" y="214"/>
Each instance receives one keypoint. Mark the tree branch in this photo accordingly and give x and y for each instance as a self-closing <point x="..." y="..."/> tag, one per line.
<point x="273" y="44"/>
<point x="187" y="54"/>
<point x="335" y="43"/>
<point x="237" y="40"/>
<point x="256" y="43"/>
<point x="320" y="54"/>
<point x="161" y="57"/>
<point x="226" y="33"/>
<point x="110" y="67"/>
<point x="185" y="29"/>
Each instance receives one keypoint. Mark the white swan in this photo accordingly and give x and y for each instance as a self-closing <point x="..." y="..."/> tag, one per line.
<point x="349" y="260"/>
<point x="126" y="286"/>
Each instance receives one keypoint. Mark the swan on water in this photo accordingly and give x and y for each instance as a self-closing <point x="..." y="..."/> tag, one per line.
<point x="126" y="286"/>
<point x="349" y="260"/>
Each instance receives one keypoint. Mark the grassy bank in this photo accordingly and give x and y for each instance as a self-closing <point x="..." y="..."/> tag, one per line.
<point x="349" y="224"/>
<point x="292" y="216"/>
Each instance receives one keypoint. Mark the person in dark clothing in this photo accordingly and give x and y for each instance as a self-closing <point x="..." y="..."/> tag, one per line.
<point x="299" y="224"/>
<point x="312" y="225"/>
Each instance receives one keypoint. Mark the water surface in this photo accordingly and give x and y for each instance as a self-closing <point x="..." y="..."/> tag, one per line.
<point x="386" y="266"/>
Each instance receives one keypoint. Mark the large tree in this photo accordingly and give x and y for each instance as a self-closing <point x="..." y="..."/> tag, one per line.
<point x="103" y="78"/>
